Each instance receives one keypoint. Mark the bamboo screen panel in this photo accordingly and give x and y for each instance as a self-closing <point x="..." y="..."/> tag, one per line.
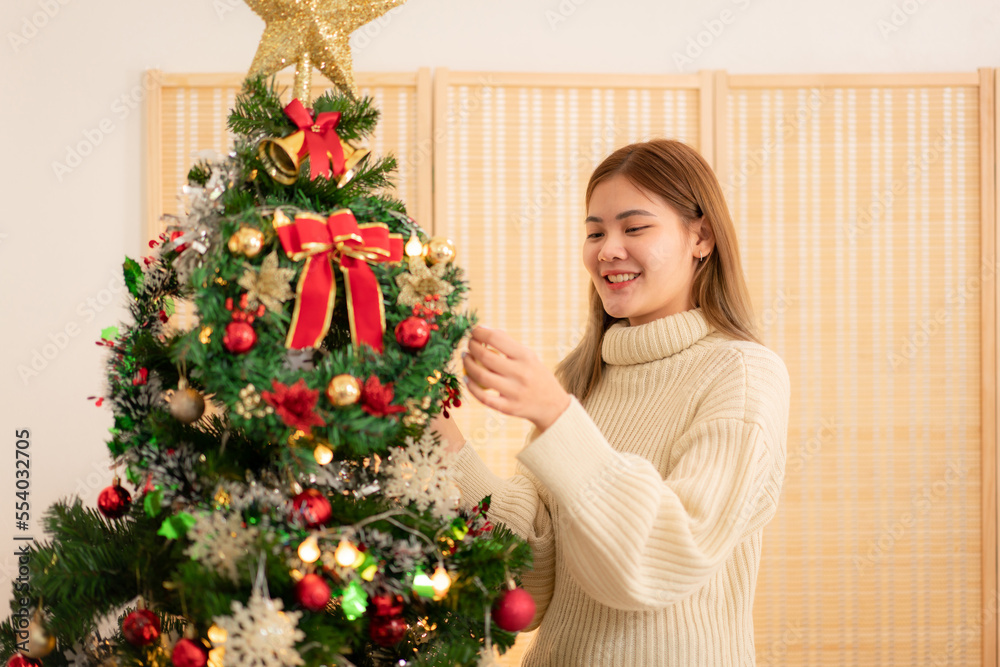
<point x="188" y="114"/>
<point x="858" y="212"/>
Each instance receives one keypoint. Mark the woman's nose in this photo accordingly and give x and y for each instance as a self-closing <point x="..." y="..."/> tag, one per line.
<point x="611" y="250"/>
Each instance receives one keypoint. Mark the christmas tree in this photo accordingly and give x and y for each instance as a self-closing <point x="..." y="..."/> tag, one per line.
<point x="289" y="505"/>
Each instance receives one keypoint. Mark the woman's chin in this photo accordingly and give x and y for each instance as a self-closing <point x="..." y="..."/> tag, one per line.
<point x="616" y="311"/>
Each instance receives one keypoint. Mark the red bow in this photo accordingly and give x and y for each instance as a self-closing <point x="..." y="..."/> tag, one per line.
<point x="338" y="239"/>
<point x="322" y="143"/>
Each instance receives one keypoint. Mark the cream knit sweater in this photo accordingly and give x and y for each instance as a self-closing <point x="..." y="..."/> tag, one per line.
<point x="645" y="508"/>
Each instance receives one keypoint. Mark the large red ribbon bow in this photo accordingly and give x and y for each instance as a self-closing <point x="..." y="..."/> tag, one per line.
<point x="321" y="243"/>
<point x="322" y="143"/>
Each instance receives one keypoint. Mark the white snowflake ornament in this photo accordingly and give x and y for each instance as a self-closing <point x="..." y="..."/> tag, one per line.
<point x="418" y="474"/>
<point x="261" y="634"/>
<point x="76" y="656"/>
<point x="220" y="542"/>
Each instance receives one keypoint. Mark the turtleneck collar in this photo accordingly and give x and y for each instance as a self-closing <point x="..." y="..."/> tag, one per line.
<point x="624" y="345"/>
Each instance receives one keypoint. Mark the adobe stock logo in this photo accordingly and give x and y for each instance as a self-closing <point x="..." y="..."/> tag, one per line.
<point x="31" y="25"/>
<point x="703" y="40"/>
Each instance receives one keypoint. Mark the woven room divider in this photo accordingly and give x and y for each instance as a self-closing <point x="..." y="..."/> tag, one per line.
<point x="865" y="211"/>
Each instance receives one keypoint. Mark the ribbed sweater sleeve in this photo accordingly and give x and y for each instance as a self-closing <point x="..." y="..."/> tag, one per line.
<point x="518" y="503"/>
<point x="635" y="540"/>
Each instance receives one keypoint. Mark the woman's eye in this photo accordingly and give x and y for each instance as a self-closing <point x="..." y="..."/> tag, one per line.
<point x="635" y="229"/>
<point x="594" y="235"/>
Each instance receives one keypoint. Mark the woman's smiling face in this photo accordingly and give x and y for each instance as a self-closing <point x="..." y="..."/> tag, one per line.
<point x="639" y="252"/>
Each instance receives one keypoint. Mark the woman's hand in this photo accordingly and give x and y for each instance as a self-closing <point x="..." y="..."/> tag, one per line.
<point x="451" y="435"/>
<point x="523" y="386"/>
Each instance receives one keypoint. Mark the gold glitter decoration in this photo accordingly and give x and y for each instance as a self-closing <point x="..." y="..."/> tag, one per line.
<point x="269" y="286"/>
<point x="416" y="412"/>
<point x="251" y="404"/>
<point x="421" y="281"/>
<point x="319" y="29"/>
<point x="222" y="497"/>
<point x="205" y="335"/>
<point x="433" y="379"/>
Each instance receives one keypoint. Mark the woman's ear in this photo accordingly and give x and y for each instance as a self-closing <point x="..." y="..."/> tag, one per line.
<point x="702" y="237"/>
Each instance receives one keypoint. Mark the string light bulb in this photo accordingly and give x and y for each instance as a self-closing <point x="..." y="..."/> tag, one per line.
<point x="322" y="454"/>
<point x="309" y="550"/>
<point x="346" y="554"/>
<point x="217" y="635"/>
<point x="413" y="247"/>
<point x="422" y="584"/>
<point x="441" y="582"/>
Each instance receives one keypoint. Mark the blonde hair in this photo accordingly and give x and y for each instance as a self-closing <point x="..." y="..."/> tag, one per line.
<point x="677" y="173"/>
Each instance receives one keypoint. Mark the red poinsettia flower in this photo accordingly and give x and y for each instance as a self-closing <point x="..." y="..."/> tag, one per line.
<point x="376" y="398"/>
<point x="295" y="405"/>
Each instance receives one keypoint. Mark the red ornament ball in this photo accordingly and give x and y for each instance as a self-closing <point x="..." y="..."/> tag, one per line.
<point x="413" y="333"/>
<point x="189" y="653"/>
<point x="312" y="592"/>
<point x="513" y="610"/>
<point x="239" y="337"/>
<point x="388" y="630"/>
<point x="387" y="604"/>
<point x="19" y="660"/>
<point x="141" y="627"/>
<point x="114" y="501"/>
<point x="311" y="508"/>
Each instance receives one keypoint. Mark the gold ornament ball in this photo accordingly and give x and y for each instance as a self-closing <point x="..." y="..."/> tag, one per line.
<point x="40" y="642"/>
<point x="187" y="405"/>
<point x="440" y="250"/>
<point x="343" y="390"/>
<point x="247" y="241"/>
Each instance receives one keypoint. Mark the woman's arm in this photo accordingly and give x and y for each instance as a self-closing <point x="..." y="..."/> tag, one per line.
<point x="637" y="541"/>
<point x="451" y="435"/>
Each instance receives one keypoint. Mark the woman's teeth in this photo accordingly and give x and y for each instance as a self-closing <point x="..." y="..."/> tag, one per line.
<point x="622" y="277"/>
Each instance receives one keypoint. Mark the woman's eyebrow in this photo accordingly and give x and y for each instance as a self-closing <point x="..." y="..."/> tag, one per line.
<point x="622" y="215"/>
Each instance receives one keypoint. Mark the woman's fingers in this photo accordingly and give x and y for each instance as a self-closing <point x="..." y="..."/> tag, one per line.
<point x="486" y="378"/>
<point x="492" y="360"/>
<point x="499" y="340"/>
<point x="488" y="398"/>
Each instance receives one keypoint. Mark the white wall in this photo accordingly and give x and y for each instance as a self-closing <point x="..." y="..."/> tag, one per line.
<point x="76" y="79"/>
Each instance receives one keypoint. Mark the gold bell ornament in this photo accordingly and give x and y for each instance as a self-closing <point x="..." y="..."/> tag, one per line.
<point x="282" y="161"/>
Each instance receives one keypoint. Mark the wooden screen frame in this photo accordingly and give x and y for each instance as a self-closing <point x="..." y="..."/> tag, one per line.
<point x="156" y="81"/>
<point x="987" y="80"/>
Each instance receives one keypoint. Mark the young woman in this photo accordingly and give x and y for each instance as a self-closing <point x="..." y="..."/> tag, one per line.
<point x="658" y="450"/>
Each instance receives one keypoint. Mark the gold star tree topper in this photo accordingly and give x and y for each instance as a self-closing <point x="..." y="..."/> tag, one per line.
<point x="313" y="33"/>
